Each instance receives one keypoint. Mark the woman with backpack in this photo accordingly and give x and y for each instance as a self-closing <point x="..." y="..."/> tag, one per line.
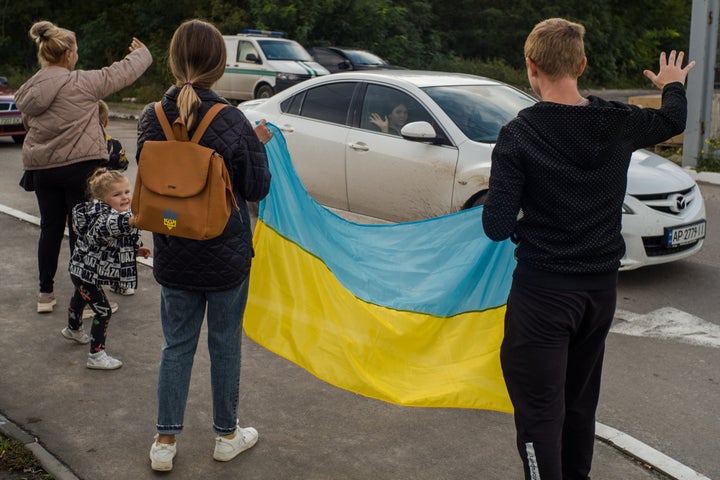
<point x="200" y="277"/>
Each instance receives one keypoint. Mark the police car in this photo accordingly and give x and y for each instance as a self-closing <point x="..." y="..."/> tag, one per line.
<point x="261" y="63"/>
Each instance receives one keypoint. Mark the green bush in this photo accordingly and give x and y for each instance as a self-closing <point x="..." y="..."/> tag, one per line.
<point x="709" y="158"/>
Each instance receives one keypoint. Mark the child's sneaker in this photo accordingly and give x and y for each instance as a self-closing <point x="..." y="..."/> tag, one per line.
<point x="161" y="456"/>
<point x="89" y="313"/>
<point x="46" y="302"/>
<point x="228" y="448"/>
<point x="122" y="291"/>
<point x="102" y="361"/>
<point x="78" y="335"/>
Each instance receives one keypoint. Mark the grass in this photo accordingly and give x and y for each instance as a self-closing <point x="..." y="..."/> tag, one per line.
<point x="15" y="458"/>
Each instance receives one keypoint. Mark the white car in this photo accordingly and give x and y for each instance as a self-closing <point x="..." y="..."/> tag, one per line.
<point x="440" y="161"/>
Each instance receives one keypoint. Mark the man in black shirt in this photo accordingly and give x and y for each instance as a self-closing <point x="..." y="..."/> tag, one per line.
<point x="557" y="184"/>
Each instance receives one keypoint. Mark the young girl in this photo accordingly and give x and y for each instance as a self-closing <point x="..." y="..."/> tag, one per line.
<point x="393" y="120"/>
<point x="104" y="254"/>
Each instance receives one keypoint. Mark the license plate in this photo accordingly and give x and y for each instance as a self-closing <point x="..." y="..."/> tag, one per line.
<point x="684" y="234"/>
<point x="10" y="120"/>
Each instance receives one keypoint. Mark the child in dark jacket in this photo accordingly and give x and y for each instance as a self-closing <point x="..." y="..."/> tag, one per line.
<point x="117" y="159"/>
<point x="104" y="254"/>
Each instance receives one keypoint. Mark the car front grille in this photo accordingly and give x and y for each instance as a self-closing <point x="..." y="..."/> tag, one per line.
<point x="7" y="107"/>
<point x="672" y="203"/>
<point x="655" y="247"/>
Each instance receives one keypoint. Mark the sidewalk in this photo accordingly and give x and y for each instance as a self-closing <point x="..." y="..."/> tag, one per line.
<point x="99" y="424"/>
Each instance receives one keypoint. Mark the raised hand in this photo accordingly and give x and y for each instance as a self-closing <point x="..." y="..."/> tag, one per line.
<point x="671" y="70"/>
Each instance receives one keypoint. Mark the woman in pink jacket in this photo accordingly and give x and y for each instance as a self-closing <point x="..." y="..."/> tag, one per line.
<point x="65" y="142"/>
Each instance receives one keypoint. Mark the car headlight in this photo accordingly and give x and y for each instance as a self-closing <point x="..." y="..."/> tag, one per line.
<point x="287" y="76"/>
<point x="627" y="210"/>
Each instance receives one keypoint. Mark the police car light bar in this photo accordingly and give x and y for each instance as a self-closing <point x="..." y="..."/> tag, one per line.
<point x="266" y="33"/>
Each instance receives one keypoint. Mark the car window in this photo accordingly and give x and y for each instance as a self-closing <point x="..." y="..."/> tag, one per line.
<point x="328" y="57"/>
<point x="245" y="49"/>
<point x="284" y="50"/>
<point x="388" y="107"/>
<point x="292" y="105"/>
<point x="480" y="110"/>
<point x="361" y="57"/>
<point x="330" y="103"/>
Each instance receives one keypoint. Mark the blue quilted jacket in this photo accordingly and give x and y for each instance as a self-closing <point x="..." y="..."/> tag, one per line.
<point x="223" y="262"/>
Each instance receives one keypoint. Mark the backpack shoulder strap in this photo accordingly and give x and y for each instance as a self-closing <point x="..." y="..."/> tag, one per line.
<point x="164" y="123"/>
<point x="205" y="123"/>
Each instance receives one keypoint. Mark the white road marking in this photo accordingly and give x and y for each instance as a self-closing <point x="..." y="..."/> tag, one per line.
<point x="646" y="454"/>
<point x="670" y="324"/>
<point x="148" y="262"/>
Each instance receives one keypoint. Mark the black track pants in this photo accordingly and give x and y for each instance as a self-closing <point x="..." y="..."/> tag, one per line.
<point x="551" y="357"/>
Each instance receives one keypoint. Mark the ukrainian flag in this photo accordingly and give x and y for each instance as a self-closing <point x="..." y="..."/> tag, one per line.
<point x="408" y="313"/>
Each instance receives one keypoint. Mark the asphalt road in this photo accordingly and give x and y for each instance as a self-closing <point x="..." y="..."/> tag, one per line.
<point x="661" y="391"/>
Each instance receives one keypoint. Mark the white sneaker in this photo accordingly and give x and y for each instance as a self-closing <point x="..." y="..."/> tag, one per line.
<point x="228" y="448"/>
<point x="88" y="312"/>
<point x="122" y="291"/>
<point x="102" y="361"/>
<point x="161" y="456"/>
<point x="78" y="335"/>
<point x="46" y="302"/>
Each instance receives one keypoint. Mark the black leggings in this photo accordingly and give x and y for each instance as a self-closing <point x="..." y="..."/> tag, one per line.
<point x="58" y="190"/>
<point x="552" y="356"/>
<point x="94" y="296"/>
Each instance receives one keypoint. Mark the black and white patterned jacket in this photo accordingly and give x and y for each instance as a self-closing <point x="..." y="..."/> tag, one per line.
<point x="106" y="246"/>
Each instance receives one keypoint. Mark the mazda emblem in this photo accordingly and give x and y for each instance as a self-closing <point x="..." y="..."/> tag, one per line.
<point x="679" y="203"/>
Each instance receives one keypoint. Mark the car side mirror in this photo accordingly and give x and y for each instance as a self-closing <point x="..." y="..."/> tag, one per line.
<point x="251" y="57"/>
<point x="344" y="65"/>
<point x="418" y="132"/>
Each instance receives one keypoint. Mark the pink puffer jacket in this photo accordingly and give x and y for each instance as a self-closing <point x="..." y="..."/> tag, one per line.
<point x="60" y="110"/>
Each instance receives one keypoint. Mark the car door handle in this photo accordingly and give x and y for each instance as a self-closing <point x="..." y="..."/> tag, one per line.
<point x="287" y="129"/>
<point x="359" y="146"/>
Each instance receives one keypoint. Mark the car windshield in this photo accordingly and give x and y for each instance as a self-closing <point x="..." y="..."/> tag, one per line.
<point x="284" y="50"/>
<point x="359" y="57"/>
<point x="480" y="111"/>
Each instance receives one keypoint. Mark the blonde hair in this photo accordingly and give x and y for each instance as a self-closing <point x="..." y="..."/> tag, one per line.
<point x="556" y="46"/>
<point x="197" y="58"/>
<point x="52" y="42"/>
<point x="103" y="111"/>
<point x="100" y="181"/>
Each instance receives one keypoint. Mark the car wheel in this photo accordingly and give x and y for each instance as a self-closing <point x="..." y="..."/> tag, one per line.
<point x="18" y="138"/>
<point x="476" y="200"/>
<point x="265" y="91"/>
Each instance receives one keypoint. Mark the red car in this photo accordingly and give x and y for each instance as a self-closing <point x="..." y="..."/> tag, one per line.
<point x="10" y="118"/>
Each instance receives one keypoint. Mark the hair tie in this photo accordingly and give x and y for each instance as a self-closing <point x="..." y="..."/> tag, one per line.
<point x="188" y="83"/>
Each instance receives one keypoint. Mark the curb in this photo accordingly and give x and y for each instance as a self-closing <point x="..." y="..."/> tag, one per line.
<point x="50" y="464"/>
<point x="646" y="454"/>
<point x="124" y="116"/>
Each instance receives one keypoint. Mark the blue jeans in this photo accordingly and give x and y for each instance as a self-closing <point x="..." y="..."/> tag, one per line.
<point x="181" y="313"/>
